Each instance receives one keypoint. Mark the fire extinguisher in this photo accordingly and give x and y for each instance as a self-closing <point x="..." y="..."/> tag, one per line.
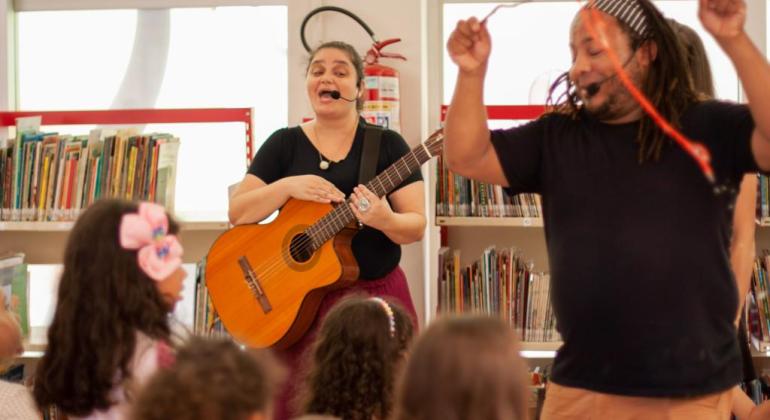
<point x="382" y="97"/>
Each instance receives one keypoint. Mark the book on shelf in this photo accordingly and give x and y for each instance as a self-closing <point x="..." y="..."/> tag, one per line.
<point x="207" y="321"/>
<point x="52" y="177"/>
<point x="499" y="283"/>
<point x="457" y="196"/>
<point x="763" y="195"/>
<point x="14" y="283"/>
<point x="757" y="307"/>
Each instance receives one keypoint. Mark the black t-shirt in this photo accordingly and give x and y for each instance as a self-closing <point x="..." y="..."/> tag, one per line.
<point x="642" y="286"/>
<point x="288" y="152"/>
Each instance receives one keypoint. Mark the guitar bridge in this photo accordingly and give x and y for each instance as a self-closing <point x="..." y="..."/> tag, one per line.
<point x="253" y="282"/>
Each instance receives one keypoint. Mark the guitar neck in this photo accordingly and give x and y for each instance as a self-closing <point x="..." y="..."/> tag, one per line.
<point x="329" y="225"/>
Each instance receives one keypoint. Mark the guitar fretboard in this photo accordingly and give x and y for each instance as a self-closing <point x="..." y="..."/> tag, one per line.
<point x="329" y="225"/>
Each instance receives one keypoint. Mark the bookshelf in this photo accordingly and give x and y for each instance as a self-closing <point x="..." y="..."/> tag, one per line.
<point x="547" y="350"/>
<point x="140" y="116"/>
<point x="472" y="235"/>
<point x="44" y="242"/>
<point x="534" y="222"/>
<point x="66" y="226"/>
<point x="539" y="350"/>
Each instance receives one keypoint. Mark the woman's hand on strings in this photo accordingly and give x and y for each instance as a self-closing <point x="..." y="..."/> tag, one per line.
<point x="724" y="19"/>
<point x="469" y="45"/>
<point x="376" y="214"/>
<point x="314" y="188"/>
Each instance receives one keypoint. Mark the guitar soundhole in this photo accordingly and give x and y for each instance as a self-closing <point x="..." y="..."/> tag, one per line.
<point x="301" y="248"/>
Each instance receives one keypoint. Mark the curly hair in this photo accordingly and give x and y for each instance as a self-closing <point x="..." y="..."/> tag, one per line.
<point x="464" y="367"/>
<point x="211" y="379"/>
<point x="355" y="360"/>
<point x="668" y="84"/>
<point x="104" y="299"/>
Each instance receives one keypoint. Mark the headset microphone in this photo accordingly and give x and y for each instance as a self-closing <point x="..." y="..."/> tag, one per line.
<point x="335" y="94"/>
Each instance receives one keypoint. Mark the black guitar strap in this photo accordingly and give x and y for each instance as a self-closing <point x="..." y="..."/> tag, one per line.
<point x="370" y="153"/>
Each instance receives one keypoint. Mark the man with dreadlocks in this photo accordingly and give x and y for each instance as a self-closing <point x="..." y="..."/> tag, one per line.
<point x="637" y="237"/>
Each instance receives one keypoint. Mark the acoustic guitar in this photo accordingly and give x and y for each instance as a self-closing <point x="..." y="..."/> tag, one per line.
<point x="267" y="280"/>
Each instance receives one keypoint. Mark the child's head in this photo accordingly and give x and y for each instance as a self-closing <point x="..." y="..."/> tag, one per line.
<point x="357" y="352"/>
<point x="464" y="368"/>
<point x="212" y="379"/>
<point x="117" y="280"/>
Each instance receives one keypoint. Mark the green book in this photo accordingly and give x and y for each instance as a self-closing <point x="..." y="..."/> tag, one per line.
<point x="14" y="283"/>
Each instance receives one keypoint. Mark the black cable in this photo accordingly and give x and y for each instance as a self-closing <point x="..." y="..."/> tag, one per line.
<point x="332" y="9"/>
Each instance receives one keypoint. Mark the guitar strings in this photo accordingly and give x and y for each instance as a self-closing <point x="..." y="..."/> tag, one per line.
<point x="274" y="265"/>
<point x="429" y="144"/>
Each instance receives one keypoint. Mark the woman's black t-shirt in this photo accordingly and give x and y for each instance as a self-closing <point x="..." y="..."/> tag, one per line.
<point x="288" y="152"/>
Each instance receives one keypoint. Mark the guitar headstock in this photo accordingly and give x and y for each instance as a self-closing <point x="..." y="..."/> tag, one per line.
<point x="435" y="142"/>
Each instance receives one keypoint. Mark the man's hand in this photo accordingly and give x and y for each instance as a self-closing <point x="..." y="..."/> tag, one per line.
<point x="469" y="46"/>
<point x="724" y="19"/>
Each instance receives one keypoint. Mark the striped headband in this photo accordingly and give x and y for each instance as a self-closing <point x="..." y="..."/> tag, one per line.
<point x="626" y="11"/>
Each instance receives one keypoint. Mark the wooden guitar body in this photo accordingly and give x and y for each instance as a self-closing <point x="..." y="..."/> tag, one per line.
<point x="291" y="287"/>
<point x="267" y="281"/>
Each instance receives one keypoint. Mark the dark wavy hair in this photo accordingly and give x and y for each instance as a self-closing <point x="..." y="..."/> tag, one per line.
<point x="211" y="379"/>
<point x="104" y="299"/>
<point x="355" y="59"/>
<point x="355" y="360"/>
<point x="668" y="84"/>
<point x="697" y="60"/>
<point x="464" y="367"/>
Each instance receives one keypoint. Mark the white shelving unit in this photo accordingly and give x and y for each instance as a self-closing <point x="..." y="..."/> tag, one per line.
<point x="67" y="226"/>
<point x="490" y="221"/>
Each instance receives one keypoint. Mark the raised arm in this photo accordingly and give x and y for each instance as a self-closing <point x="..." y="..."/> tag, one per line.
<point x="725" y="20"/>
<point x="467" y="147"/>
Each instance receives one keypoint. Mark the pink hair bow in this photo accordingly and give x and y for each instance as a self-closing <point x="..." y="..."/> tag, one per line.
<point x="159" y="254"/>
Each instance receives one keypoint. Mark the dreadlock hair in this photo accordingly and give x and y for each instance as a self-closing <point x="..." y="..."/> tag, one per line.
<point x="668" y="84"/>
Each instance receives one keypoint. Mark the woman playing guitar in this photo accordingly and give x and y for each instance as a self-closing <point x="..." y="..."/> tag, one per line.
<point x="319" y="161"/>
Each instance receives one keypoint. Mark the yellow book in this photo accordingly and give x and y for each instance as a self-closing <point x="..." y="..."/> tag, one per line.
<point x="118" y="162"/>
<point x="44" y="187"/>
<point x="457" y="278"/>
<point x="131" y="173"/>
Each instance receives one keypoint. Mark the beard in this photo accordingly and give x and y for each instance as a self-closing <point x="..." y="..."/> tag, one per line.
<point x="609" y="109"/>
<point x="619" y="100"/>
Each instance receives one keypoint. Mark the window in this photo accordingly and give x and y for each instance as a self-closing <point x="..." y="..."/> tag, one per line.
<point x="43" y="289"/>
<point x="165" y="58"/>
<point x="520" y="73"/>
